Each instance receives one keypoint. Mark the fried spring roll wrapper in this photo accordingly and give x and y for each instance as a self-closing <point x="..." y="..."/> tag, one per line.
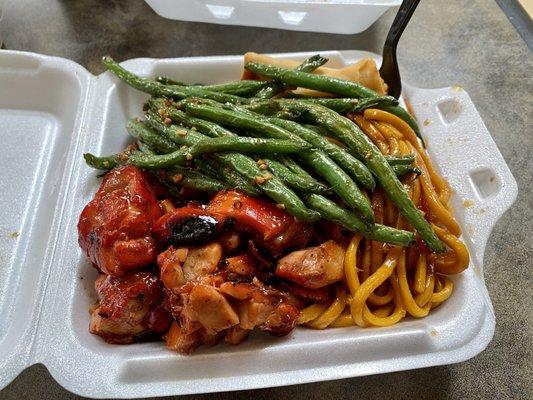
<point x="364" y="72"/>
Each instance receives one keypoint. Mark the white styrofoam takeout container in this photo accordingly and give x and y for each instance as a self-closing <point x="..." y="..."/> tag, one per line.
<point x="330" y="16"/>
<point x="52" y="110"/>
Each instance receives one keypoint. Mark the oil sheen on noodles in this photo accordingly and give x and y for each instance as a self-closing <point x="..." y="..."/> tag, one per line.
<point x="383" y="284"/>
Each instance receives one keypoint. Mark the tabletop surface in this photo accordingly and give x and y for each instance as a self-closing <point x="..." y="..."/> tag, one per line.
<point x="465" y="42"/>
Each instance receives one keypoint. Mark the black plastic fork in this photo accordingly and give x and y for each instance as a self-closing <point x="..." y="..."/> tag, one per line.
<point x="389" y="67"/>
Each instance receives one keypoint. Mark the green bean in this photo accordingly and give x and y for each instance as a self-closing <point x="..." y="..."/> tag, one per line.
<point x="189" y="137"/>
<point x="349" y="220"/>
<point x="198" y="181"/>
<point x="157" y="89"/>
<point x="249" y="145"/>
<point x="156" y="161"/>
<point x="231" y="178"/>
<point x="340" y="182"/>
<point x="149" y="136"/>
<point x="294" y="167"/>
<point x="341" y="105"/>
<point x="346" y="105"/>
<point x="103" y="163"/>
<point x="145" y="148"/>
<point x="165" y="80"/>
<point x="307" y="80"/>
<point x="309" y="65"/>
<point x="293" y="180"/>
<point x="354" y="167"/>
<point x="248" y="168"/>
<point x="182" y="136"/>
<point x="357" y="142"/>
<point x="202" y="184"/>
<point x="176" y="134"/>
<point x="403" y="170"/>
<point x="326" y="84"/>
<point x="401" y="160"/>
<point x="272" y="187"/>
<point x="238" y="88"/>
<point x="206" y="127"/>
<point x="345" y="160"/>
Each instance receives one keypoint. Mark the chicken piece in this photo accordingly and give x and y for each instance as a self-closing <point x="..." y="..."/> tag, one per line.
<point x="320" y="295"/>
<point x="205" y="307"/>
<point x="235" y="335"/>
<point x="170" y="264"/>
<point x="242" y="265"/>
<point x="124" y="302"/>
<point x="230" y="241"/>
<point x="254" y="313"/>
<point x="211" y="339"/>
<point x="314" y="267"/>
<point x="178" y="266"/>
<point x="281" y="320"/>
<point x="262" y="307"/>
<point x="297" y="235"/>
<point x="114" y="228"/>
<point x="182" y="341"/>
<point x="157" y="320"/>
<point x="202" y="261"/>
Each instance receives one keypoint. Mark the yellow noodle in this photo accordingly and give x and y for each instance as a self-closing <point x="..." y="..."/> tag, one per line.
<point x="420" y="274"/>
<point x="379" y="268"/>
<point x="388" y="131"/>
<point x="445" y="291"/>
<point x="394" y="147"/>
<point x="373" y="281"/>
<point x="398" y="312"/>
<point x="352" y="280"/>
<point x="416" y="192"/>
<point x="310" y="313"/>
<point x="424" y="298"/>
<point x="410" y="135"/>
<point x="461" y="257"/>
<point x="407" y="297"/>
<point x="391" y="213"/>
<point x="367" y="258"/>
<point x="436" y="207"/>
<point x="402" y="126"/>
<point x="404" y="148"/>
<point x="350" y="265"/>
<point x="345" y="319"/>
<point x="333" y="311"/>
<point x="373" y="133"/>
<point x="379" y="300"/>
<point x="384" y="311"/>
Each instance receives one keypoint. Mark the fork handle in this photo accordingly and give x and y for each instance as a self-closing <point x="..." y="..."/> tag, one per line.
<point x="389" y="66"/>
<point x="405" y="12"/>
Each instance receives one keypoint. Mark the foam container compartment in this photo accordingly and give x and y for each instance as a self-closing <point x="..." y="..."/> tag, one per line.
<point x="52" y="110"/>
<point x="329" y="16"/>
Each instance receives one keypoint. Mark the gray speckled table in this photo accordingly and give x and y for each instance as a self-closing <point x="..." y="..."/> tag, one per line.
<point x="466" y="42"/>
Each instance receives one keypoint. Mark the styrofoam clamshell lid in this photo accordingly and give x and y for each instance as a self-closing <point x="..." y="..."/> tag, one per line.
<point x="329" y="16"/>
<point x="52" y="111"/>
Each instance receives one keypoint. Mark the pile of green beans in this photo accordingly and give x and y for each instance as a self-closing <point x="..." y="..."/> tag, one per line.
<point x="259" y="137"/>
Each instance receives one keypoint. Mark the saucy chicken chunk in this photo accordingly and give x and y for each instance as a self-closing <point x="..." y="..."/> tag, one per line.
<point x="314" y="267"/>
<point x="263" y="307"/>
<point x="124" y="302"/>
<point x="180" y="265"/>
<point x="114" y="229"/>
